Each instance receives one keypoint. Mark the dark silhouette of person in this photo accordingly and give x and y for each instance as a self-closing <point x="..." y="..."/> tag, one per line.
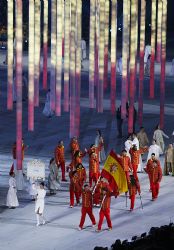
<point x="119" y="122"/>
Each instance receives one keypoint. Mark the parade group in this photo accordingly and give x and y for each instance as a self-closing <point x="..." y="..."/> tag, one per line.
<point x="92" y="189"/>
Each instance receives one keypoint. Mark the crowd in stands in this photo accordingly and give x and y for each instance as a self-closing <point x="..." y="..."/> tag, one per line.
<point x="158" y="238"/>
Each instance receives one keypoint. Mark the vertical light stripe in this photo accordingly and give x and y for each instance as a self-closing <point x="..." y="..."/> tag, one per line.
<point x="142" y="47"/>
<point x="10" y="56"/>
<point x="106" y="44"/>
<point x="124" y="59"/>
<point x="67" y="55"/>
<point x="19" y="41"/>
<point x="31" y="68"/>
<point x="113" y="54"/>
<point x="59" y="58"/>
<point x="53" y="54"/>
<point x="72" y="68"/>
<point x="101" y="56"/>
<point x="63" y="27"/>
<point x="37" y="38"/>
<point x="153" y="37"/>
<point x="96" y="57"/>
<point x="159" y="24"/>
<point x="78" y="66"/>
<point x="45" y="44"/>
<point x="163" y="63"/>
<point x="91" y="53"/>
<point x="132" y="64"/>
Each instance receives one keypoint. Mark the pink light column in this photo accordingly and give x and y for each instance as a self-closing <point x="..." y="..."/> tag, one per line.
<point x="72" y="69"/>
<point x="106" y="44"/>
<point x="66" y="55"/>
<point x="63" y="27"/>
<point x="159" y="29"/>
<point x="91" y="53"/>
<point x="96" y="54"/>
<point x="124" y="59"/>
<point x="101" y="56"/>
<point x="31" y="68"/>
<point x="153" y="36"/>
<point x="59" y="58"/>
<point x="10" y="56"/>
<point x="128" y="47"/>
<point x="113" y="55"/>
<point x="163" y="63"/>
<point x="132" y="64"/>
<point x="19" y="83"/>
<point x="45" y="44"/>
<point x="37" y="37"/>
<point x="141" y="71"/>
<point x="53" y="55"/>
<point x="78" y="66"/>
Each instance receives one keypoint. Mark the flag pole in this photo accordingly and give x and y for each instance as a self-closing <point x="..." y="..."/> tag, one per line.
<point x="141" y="201"/>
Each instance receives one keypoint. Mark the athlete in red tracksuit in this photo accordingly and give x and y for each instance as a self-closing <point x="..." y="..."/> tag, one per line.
<point x="153" y="169"/>
<point x="94" y="171"/>
<point x="86" y="206"/>
<point x="74" y="146"/>
<point x="75" y="187"/>
<point x="105" y="208"/>
<point x="135" y="158"/>
<point x="126" y="164"/>
<point x="77" y="159"/>
<point x="94" y="149"/>
<point x="60" y="158"/>
<point x="134" y="187"/>
<point x="81" y="171"/>
<point x="97" y="190"/>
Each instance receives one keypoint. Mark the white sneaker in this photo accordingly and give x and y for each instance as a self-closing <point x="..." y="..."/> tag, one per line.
<point x="79" y="228"/>
<point x="38" y="224"/>
<point x="94" y="225"/>
<point x="43" y="222"/>
<point x="71" y="206"/>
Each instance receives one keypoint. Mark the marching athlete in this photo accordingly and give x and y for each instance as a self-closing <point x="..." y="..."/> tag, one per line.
<point x="86" y="206"/>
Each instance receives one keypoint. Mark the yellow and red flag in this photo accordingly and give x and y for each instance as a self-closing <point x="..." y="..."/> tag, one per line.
<point x="114" y="173"/>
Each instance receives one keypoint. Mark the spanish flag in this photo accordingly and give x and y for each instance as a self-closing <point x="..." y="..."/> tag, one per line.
<point x="114" y="173"/>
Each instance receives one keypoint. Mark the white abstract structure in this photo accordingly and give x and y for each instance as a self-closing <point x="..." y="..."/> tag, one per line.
<point x="36" y="169"/>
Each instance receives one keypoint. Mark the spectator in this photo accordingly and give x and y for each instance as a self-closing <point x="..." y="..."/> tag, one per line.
<point x="142" y="137"/>
<point x="158" y="136"/>
<point x="169" y="160"/>
<point x="147" y="66"/>
<point x="119" y="123"/>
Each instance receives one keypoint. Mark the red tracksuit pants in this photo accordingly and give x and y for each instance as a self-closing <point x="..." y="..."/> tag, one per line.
<point x="150" y="182"/>
<point x="96" y="198"/>
<point x="93" y="177"/>
<point x="135" y="167"/>
<point x="87" y="210"/>
<point x="132" y="198"/>
<point x="127" y="176"/>
<point x="102" y="214"/>
<point x="62" y="166"/>
<point x="72" y="194"/>
<point x="81" y="184"/>
<point x="155" y="190"/>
